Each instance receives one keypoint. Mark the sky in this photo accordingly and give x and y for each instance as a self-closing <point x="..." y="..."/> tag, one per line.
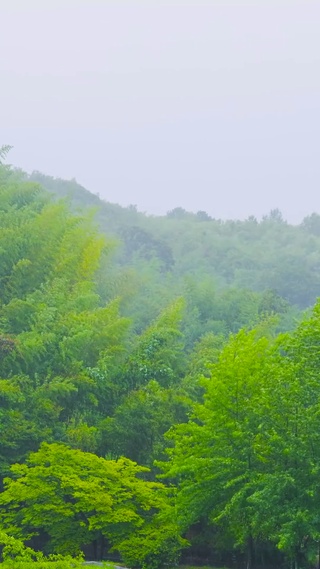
<point x="207" y="105"/>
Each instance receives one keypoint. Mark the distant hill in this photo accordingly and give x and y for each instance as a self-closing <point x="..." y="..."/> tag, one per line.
<point x="259" y="256"/>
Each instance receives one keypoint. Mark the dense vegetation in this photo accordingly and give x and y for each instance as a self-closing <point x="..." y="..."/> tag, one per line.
<point x="159" y="383"/>
<point x="251" y="255"/>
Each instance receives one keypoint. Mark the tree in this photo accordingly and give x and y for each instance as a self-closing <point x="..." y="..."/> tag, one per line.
<point x="53" y="324"/>
<point x="157" y="354"/>
<point x="73" y="498"/>
<point x="4" y="150"/>
<point x="216" y="457"/>
<point x="286" y="501"/>
<point x="16" y="554"/>
<point x="248" y="461"/>
<point x="139" y="422"/>
<point x="311" y="224"/>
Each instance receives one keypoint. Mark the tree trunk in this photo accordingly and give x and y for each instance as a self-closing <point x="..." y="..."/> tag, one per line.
<point x="102" y="544"/>
<point x="250" y="553"/>
<point x="95" y="550"/>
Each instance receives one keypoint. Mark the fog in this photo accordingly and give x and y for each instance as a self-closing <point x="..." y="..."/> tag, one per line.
<point x="209" y="106"/>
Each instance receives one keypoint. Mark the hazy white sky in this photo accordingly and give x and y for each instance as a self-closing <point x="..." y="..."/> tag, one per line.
<point x="211" y="105"/>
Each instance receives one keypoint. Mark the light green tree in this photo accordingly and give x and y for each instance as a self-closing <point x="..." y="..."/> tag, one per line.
<point x="75" y="497"/>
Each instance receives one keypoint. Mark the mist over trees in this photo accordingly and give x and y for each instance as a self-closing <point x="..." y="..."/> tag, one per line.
<point x="159" y="385"/>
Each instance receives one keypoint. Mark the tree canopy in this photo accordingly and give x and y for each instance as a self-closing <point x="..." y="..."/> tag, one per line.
<point x="159" y="382"/>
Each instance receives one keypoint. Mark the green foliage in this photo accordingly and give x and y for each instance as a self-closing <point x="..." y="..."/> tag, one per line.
<point x="161" y="255"/>
<point x="17" y="556"/>
<point x="53" y="324"/>
<point x="74" y="497"/>
<point x="159" y="545"/>
<point x="177" y="330"/>
<point x="137" y="427"/>
<point x="159" y="350"/>
<point x="4" y="150"/>
<point x="213" y="453"/>
<point x="248" y="461"/>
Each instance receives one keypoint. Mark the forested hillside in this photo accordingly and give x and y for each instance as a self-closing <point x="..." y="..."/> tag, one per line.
<point x="266" y="255"/>
<point x="159" y="384"/>
<point x="229" y="272"/>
